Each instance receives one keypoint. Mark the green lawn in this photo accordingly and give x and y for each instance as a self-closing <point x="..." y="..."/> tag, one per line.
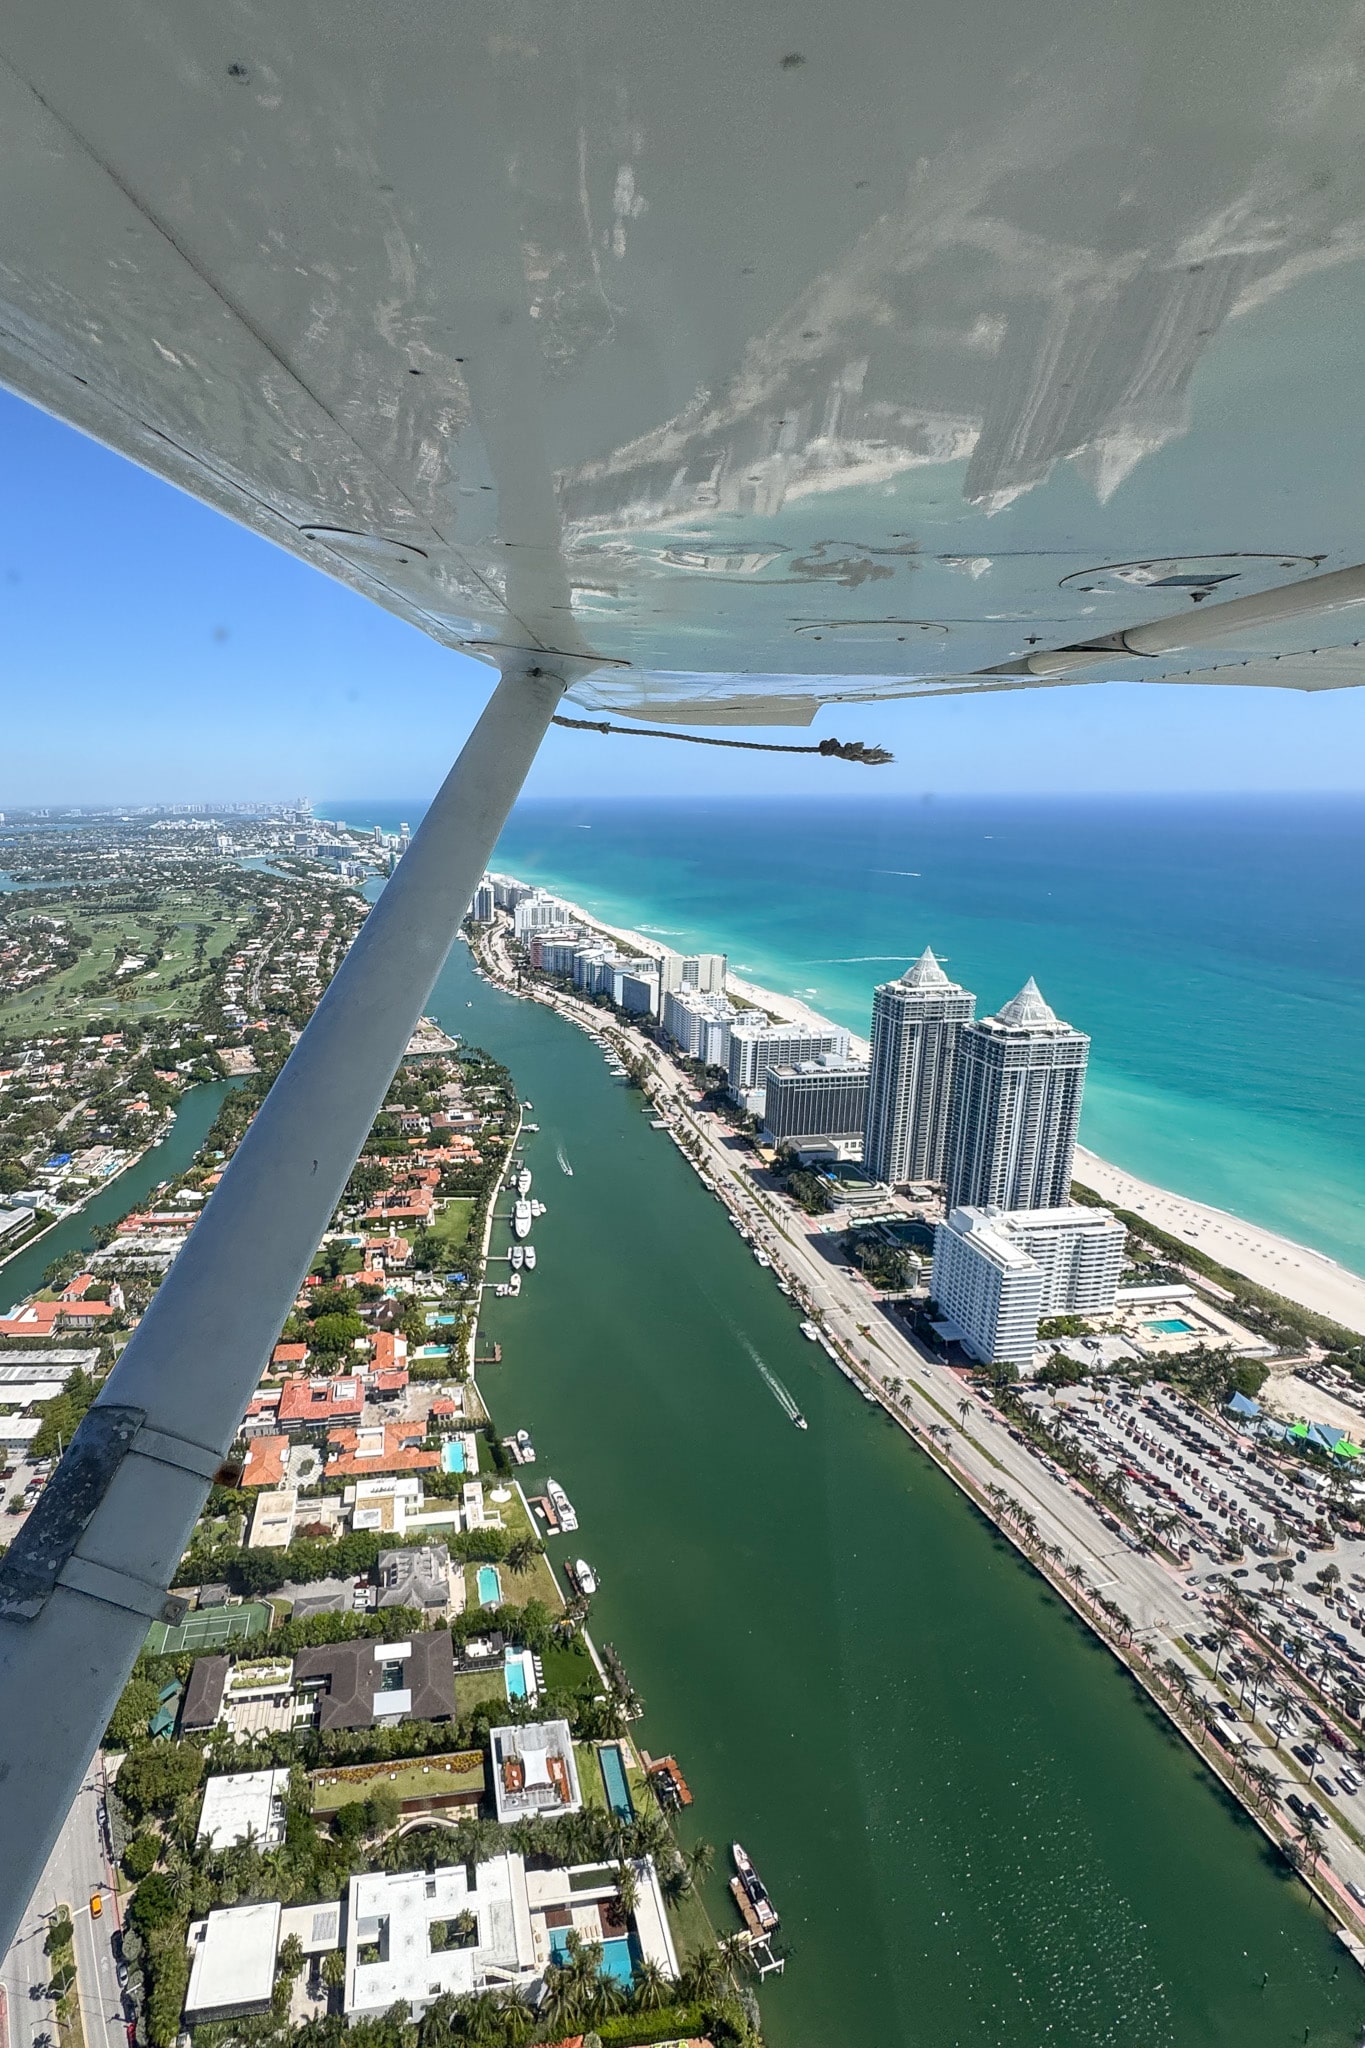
<point x="474" y="1688"/>
<point x="461" y="1771"/>
<point x="569" y="1669"/>
<point x="451" y="1226"/>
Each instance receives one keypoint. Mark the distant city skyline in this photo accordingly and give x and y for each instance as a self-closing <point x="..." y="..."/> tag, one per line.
<point x="161" y="653"/>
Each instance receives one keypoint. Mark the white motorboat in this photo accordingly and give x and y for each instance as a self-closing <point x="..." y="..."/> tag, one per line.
<point x="521" y="1218"/>
<point x="518" y="1257"/>
<point x="528" y="1257"/>
<point x="584" y="1578"/>
<point x="811" y="1332"/>
<point x="523" y="1181"/>
<point x="562" y="1505"/>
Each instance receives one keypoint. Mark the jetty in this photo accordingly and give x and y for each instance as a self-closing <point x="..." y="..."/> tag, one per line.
<point x="671" y="1788"/>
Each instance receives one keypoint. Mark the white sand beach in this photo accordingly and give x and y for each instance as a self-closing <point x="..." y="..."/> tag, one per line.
<point x="1300" y="1274"/>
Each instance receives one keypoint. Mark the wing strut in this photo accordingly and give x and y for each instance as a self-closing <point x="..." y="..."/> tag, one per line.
<point x="90" y="1569"/>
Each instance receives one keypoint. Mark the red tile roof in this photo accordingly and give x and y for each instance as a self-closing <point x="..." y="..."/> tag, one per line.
<point x="390" y="1447"/>
<point x="305" y="1400"/>
<point x="265" y="1456"/>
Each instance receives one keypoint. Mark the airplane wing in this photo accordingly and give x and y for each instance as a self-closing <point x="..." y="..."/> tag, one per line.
<point x="751" y="365"/>
<point x="710" y="363"/>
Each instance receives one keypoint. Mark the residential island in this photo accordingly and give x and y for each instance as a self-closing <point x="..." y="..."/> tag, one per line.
<point x="376" y="1771"/>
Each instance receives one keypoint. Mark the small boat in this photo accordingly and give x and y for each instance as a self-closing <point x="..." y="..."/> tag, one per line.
<point x="523" y="1181"/>
<point x="564" y="1165"/>
<point x="530" y="1127"/>
<point x="518" y="1257"/>
<point x="800" y="1420"/>
<point x="811" y="1332"/>
<point x="754" y="1889"/>
<point x="762" y="1257"/>
<point x="526" y="1450"/>
<point x="528" y="1105"/>
<point x="537" y="1208"/>
<point x="528" y="1257"/>
<point x="584" y="1578"/>
<point x="514" y="1285"/>
<point x="521" y="1219"/>
<point x="562" y="1505"/>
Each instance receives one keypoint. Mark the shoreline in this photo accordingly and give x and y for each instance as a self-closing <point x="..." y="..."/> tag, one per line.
<point x="918" y="1411"/>
<point x="1310" y="1278"/>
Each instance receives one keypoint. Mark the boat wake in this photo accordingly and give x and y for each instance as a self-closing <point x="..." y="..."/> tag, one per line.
<point x="564" y="1165"/>
<point x="775" y="1387"/>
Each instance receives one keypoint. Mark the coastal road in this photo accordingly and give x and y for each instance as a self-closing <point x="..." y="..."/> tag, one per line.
<point x="77" y="1868"/>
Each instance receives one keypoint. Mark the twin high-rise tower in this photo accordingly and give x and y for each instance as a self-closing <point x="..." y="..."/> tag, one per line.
<point x="989" y="1107"/>
<point x="916" y="1025"/>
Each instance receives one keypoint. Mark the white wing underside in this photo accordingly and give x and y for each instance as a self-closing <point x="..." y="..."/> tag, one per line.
<point x="743" y="367"/>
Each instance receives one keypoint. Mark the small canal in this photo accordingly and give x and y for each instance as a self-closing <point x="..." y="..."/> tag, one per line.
<point x="974" y="1827"/>
<point x="194" y="1116"/>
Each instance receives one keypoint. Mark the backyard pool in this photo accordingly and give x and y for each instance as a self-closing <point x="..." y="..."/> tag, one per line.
<point x="618" y="1954"/>
<point x="452" y="1455"/>
<point x="490" y="1587"/>
<point x="615" y="1783"/>
<point x="1170" y="1326"/>
<point x="519" y="1674"/>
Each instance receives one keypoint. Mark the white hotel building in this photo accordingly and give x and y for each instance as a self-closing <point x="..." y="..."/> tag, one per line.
<point x="998" y="1272"/>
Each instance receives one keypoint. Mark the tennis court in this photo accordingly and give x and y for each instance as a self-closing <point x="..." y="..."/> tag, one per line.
<point x="208" y="1628"/>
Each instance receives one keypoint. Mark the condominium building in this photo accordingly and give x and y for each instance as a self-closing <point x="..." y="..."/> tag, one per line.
<point x="820" y="1098"/>
<point x="997" y="1273"/>
<point x="1079" y="1251"/>
<point x="988" y="1290"/>
<point x="482" y="907"/>
<point x="916" y="1025"/>
<point x="593" y="968"/>
<point x="553" y="951"/>
<point x="754" y="1047"/>
<point x="699" y="1024"/>
<point x="1016" y="1106"/>
<point x="704" y="972"/>
<point x="538" y="912"/>
<point x="635" y="987"/>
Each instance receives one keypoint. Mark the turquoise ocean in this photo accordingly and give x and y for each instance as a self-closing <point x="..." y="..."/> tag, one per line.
<point x="1214" y="949"/>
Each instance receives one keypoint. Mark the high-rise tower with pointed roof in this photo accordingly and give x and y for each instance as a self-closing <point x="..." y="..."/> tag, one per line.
<point x="916" y="1024"/>
<point x="1016" y="1108"/>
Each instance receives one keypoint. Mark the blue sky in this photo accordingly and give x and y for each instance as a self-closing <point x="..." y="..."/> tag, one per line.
<point x="151" y="649"/>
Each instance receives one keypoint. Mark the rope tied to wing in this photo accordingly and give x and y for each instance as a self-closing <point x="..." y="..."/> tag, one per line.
<point x="837" y="750"/>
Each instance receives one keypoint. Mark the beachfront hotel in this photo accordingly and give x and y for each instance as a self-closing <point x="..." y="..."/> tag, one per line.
<point x="996" y="1273"/>
<point x="1016" y="1107"/>
<point x="823" y="1098"/>
<point x="916" y="1024"/>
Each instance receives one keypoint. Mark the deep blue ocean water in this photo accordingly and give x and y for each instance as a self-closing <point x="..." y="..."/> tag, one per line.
<point x="1214" y="948"/>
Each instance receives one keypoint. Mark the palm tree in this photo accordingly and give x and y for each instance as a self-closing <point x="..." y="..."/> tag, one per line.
<point x="627" y="1887"/>
<point x="522" y="1553"/>
<point x="1282" y="1707"/>
<point x="700" y="1859"/>
<point x="703" y="1975"/>
<point x="1311" y="1841"/>
<point x="964" y="1409"/>
<point x="1223" y="1638"/>
<point x="651" y="1987"/>
<point x="334" y="1969"/>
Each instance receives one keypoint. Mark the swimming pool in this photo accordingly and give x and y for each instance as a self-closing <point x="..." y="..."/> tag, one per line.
<point x="618" y="1954"/>
<point x="433" y="1318"/>
<point x="490" y="1587"/>
<point x="1170" y="1326"/>
<point x="514" y="1676"/>
<point x="452" y="1455"/>
<point x="615" y="1783"/>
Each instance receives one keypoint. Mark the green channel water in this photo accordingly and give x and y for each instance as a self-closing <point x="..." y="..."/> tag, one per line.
<point x="194" y="1115"/>
<point x="974" y="1827"/>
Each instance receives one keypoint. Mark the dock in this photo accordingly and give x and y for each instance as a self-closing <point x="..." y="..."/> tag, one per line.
<point x="670" y="1786"/>
<point x="756" y="1943"/>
